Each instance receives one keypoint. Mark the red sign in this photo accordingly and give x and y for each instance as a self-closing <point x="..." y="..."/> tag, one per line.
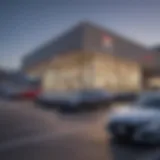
<point x="107" y="42"/>
<point x="148" y="58"/>
<point x="107" y="39"/>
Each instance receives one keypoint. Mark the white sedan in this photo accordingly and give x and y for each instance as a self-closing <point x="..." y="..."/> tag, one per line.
<point x="139" y="122"/>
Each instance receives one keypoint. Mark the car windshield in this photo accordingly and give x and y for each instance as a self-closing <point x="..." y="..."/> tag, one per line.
<point x="149" y="101"/>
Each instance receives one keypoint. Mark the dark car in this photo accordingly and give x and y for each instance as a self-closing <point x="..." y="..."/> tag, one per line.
<point x="2" y="90"/>
<point x="125" y="96"/>
<point x="19" y="86"/>
<point x="138" y="122"/>
<point x="87" y="99"/>
<point x="8" y="90"/>
<point x="52" y="98"/>
<point x="96" y="97"/>
<point x="13" y="91"/>
<point x="74" y="100"/>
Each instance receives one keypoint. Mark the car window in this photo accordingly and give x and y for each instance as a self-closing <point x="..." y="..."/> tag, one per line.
<point x="153" y="101"/>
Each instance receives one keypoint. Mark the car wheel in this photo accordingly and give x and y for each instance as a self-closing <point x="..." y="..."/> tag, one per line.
<point x="63" y="109"/>
<point x="87" y="106"/>
<point x="122" y="139"/>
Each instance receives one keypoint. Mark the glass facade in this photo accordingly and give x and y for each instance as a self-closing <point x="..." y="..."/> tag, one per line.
<point x="111" y="74"/>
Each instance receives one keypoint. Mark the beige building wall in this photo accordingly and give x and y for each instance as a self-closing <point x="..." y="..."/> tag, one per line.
<point x="116" y="74"/>
<point x="69" y="71"/>
<point x="154" y="82"/>
<point x="75" y="70"/>
<point x="89" y="70"/>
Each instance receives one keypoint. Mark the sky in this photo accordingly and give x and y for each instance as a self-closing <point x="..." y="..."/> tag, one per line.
<point x="27" y="24"/>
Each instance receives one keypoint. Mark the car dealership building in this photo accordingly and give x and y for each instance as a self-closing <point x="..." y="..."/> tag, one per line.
<point x="88" y="56"/>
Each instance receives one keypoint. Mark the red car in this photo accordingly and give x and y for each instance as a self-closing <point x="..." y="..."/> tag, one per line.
<point x="29" y="94"/>
<point x="21" y="94"/>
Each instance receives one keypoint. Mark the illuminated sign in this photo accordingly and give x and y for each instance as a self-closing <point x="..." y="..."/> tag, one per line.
<point x="148" y="58"/>
<point x="107" y="42"/>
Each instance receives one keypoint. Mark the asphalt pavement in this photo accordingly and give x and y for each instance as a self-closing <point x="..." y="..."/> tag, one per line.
<point x="31" y="133"/>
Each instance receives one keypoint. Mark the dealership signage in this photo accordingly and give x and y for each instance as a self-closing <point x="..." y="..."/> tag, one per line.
<point x="107" y="43"/>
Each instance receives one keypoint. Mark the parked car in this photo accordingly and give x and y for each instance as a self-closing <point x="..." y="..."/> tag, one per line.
<point x="12" y="91"/>
<point x="95" y="97"/>
<point x="70" y="103"/>
<point x="30" y="94"/>
<point x="7" y="90"/>
<point x="138" y="122"/>
<point x="75" y="100"/>
<point x="51" y="99"/>
<point x="2" y="90"/>
<point x="125" y="96"/>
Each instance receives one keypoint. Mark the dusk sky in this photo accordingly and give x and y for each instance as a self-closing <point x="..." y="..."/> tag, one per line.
<point x="26" y="24"/>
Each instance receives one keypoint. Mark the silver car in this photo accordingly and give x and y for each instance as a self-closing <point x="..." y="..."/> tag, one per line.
<point x="139" y="122"/>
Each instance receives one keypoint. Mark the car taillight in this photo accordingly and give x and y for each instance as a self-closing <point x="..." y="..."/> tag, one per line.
<point x="30" y="94"/>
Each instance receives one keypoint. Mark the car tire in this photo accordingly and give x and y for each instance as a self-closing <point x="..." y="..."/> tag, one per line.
<point x="62" y="109"/>
<point x="67" y="109"/>
<point x="121" y="139"/>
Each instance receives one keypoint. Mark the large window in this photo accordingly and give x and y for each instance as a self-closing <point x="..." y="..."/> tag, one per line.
<point x="49" y="79"/>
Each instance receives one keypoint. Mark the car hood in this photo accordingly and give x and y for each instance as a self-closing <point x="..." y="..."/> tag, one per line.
<point x="133" y="114"/>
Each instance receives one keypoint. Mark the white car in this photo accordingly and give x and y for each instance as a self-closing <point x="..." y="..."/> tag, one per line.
<point x="139" y="122"/>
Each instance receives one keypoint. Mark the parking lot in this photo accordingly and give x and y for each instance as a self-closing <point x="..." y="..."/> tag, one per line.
<point x="80" y="136"/>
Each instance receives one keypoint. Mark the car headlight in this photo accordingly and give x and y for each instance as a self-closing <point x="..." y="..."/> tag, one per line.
<point x="121" y="109"/>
